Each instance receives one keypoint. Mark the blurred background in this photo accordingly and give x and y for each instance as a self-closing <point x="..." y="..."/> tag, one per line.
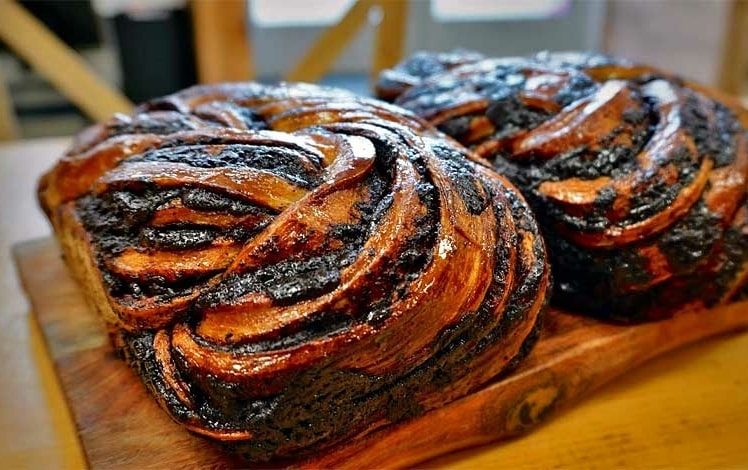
<point x="132" y="50"/>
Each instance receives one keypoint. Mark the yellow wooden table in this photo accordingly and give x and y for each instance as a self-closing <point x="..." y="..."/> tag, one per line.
<point x="686" y="410"/>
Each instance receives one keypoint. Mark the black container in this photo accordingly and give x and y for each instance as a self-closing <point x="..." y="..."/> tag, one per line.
<point x="156" y="53"/>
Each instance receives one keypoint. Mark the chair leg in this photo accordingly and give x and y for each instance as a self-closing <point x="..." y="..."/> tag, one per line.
<point x="222" y="45"/>
<point x="333" y="41"/>
<point x="390" y="36"/>
<point x="734" y="69"/>
<point x="8" y="123"/>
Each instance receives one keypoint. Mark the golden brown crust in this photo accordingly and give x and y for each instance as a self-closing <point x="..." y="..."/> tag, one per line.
<point x="636" y="175"/>
<point x="288" y="265"/>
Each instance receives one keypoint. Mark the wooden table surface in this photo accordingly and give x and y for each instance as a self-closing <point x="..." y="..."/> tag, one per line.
<point x="686" y="410"/>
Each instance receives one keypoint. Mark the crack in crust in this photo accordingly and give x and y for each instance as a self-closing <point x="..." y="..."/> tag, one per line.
<point x="637" y="177"/>
<point x="286" y="266"/>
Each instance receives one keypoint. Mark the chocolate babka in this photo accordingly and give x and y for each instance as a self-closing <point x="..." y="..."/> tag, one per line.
<point x="286" y="266"/>
<point x="637" y="177"/>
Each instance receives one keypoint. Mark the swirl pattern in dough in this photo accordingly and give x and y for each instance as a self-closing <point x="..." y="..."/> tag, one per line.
<point x="637" y="177"/>
<point x="286" y="266"/>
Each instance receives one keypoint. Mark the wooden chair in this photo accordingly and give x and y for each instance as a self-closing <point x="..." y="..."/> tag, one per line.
<point x="222" y="49"/>
<point x="54" y="60"/>
<point x="223" y="52"/>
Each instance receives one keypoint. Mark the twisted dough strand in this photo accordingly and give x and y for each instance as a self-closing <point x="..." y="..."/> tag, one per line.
<point x="288" y="265"/>
<point x="637" y="177"/>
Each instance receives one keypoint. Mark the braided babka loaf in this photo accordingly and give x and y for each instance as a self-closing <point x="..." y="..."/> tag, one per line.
<point x="637" y="177"/>
<point x="286" y="266"/>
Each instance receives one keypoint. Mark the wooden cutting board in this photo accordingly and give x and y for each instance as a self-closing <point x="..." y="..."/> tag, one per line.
<point x="120" y="424"/>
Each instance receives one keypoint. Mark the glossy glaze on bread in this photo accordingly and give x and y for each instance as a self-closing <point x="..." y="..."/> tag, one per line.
<point x="286" y="266"/>
<point x="637" y="177"/>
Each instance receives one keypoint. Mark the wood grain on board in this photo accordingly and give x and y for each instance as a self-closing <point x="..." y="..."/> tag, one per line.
<point x="120" y="425"/>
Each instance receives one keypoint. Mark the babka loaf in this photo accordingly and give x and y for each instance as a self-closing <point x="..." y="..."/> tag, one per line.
<point x="637" y="177"/>
<point x="286" y="266"/>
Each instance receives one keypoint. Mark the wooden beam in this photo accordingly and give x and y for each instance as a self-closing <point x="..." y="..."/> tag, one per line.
<point x="222" y="41"/>
<point x="608" y="26"/>
<point x="389" y="43"/>
<point x="734" y="68"/>
<point x="333" y="41"/>
<point x="8" y="123"/>
<point x="62" y="66"/>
